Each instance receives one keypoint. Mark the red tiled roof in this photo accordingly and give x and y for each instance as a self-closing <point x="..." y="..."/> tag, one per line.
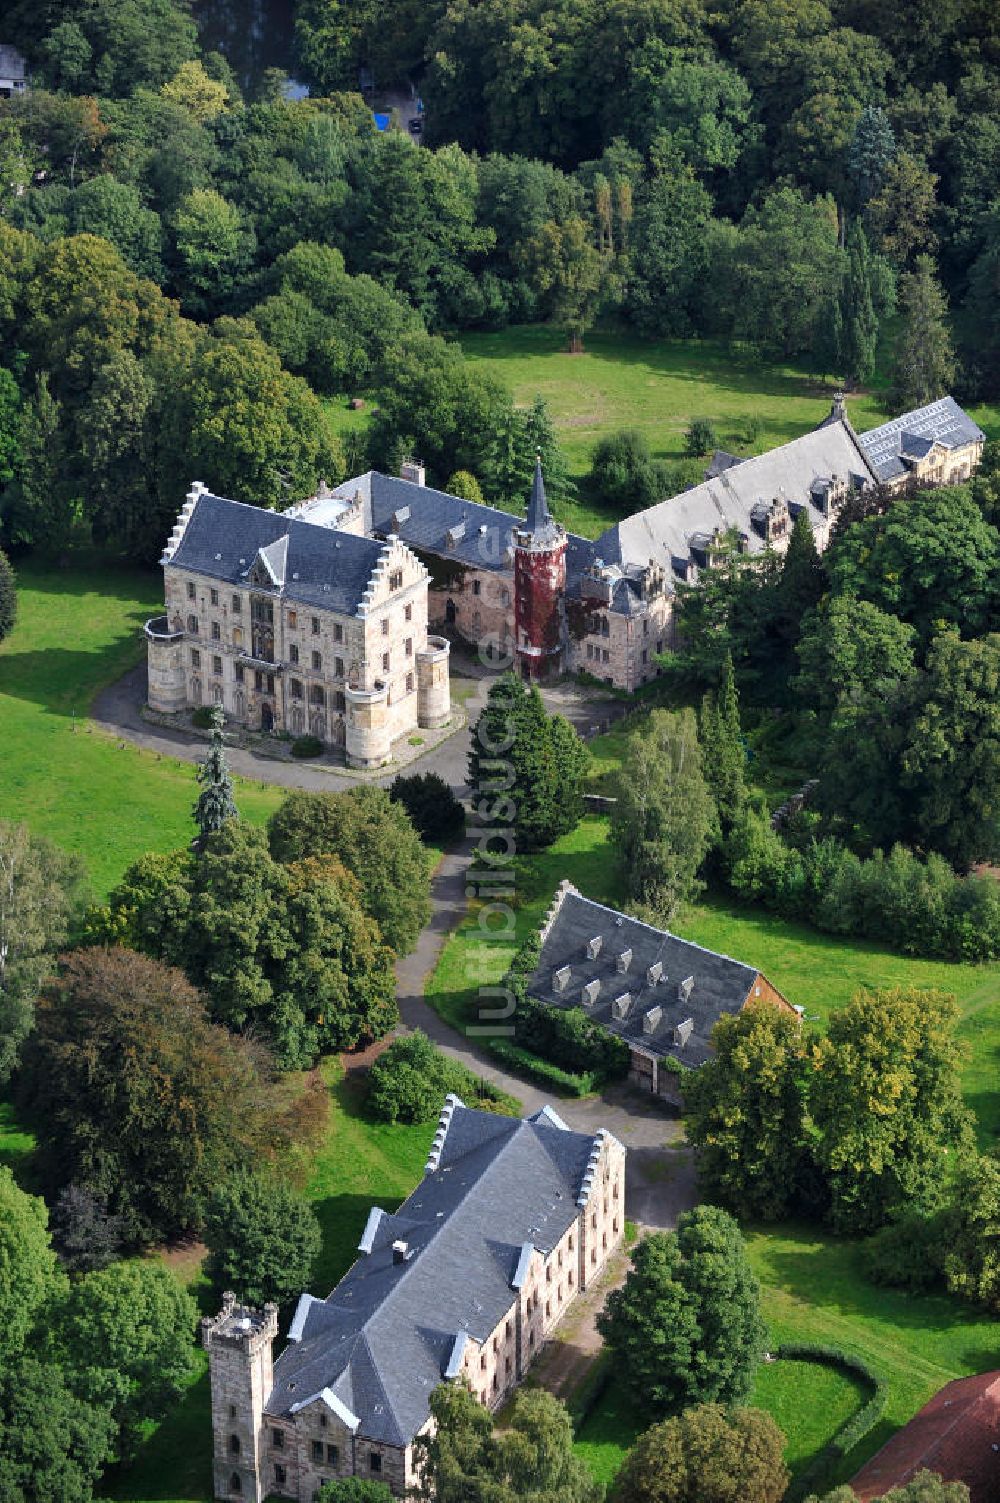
<point x="957" y="1434"/>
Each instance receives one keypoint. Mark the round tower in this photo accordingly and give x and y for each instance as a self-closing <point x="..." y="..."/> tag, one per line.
<point x="539" y="587"/>
<point x="167" y="687"/>
<point x="367" y="741"/>
<point x="433" y="686"/>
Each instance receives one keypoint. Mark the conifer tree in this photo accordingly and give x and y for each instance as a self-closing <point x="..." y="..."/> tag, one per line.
<point x="723" y="755"/>
<point x="859" y="322"/>
<point x="8" y="597"/>
<point x="872" y="149"/>
<point x="215" y="802"/>
<point x="924" y="365"/>
<point x="543" y="444"/>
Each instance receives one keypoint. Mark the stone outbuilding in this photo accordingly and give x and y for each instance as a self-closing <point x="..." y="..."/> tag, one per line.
<point x="512" y="1220"/>
<point x="661" y="994"/>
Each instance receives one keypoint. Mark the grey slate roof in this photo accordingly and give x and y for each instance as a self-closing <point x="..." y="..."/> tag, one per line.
<point x="12" y="63"/>
<point x="387" y="1334"/>
<point x="663" y="532"/>
<point x="316" y="565"/>
<point x="436" y="522"/>
<point x="720" y="985"/>
<point x="913" y="435"/>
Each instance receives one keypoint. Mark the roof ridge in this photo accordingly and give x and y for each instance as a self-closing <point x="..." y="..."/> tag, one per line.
<point x="664" y="933"/>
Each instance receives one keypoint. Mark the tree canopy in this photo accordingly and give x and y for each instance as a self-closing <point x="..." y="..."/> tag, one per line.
<point x="685" y="1328"/>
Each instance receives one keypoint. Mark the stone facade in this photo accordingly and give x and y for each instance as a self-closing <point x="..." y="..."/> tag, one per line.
<point x="240" y="1343"/>
<point x="358" y="674"/>
<point x="269" y="1441"/>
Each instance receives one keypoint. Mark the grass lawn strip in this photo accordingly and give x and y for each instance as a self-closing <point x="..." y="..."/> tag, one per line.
<point x="78" y="630"/>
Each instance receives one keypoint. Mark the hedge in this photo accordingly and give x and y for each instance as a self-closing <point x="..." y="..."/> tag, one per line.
<point x="857" y="1427"/>
<point x="541" y="1070"/>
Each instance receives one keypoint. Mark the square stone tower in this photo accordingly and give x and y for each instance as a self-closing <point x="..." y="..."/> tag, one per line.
<point x="239" y="1341"/>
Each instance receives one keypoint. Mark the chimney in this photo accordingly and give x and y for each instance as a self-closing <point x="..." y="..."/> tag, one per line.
<point x="413" y="470"/>
<point x="400" y="1251"/>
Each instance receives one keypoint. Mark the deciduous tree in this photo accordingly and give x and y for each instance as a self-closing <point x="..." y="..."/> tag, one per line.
<point x="40" y="898"/>
<point x="263" y="1239"/>
<point x="664" y="820"/>
<point x="375" y="839"/>
<point x="685" y="1328"/>
<point x="745" y="1112"/>
<point x="29" y="1275"/>
<point x="885" y="1096"/>
<point x="706" y="1455"/>
<point x="123" y="1335"/>
<point x="156" y="1104"/>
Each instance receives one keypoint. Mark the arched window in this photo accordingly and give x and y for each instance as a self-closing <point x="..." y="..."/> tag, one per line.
<point x="318" y="727"/>
<point x="234" y="1445"/>
<point x="196" y="691"/>
<point x="235" y="1485"/>
<point x="298" y="720"/>
<point x="239" y="704"/>
<point x="217" y="693"/>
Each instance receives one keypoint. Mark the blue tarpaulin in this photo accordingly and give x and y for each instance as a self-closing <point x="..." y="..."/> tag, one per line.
<point x="382" y="121"/>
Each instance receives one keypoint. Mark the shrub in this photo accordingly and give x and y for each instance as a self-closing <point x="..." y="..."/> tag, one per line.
<point x="701" y="437"/>
<point x="916" y="905"/>
<point x="307" y="746"/>
<point x="409" y="1082"/>
<point x="906" y="1254"/>
<point x="202" y="717"/>
<point x="540" y="1070"/>
<point x="437" y="814"/>
<point x="570" y="1039"/>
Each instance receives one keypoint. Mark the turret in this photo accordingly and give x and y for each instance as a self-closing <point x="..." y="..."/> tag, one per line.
<point x="539" y="586"/>
<point x="239" y="1341"/>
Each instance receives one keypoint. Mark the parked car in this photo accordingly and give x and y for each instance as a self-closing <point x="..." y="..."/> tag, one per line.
<point x="416" y="126"/>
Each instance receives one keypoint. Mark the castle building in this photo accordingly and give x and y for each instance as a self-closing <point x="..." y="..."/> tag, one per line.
<point x="293" y="627"/>
<point x="661" y="994"/>
<point x="521" y="588"/>
<point x="549" y="602"/>
<point x="511" y="1222"/>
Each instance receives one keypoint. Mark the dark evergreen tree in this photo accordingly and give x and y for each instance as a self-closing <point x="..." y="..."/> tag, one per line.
<point x="215" y="802"/>
<point x="542" y="443"/>
<point x="859" y="322"/>
<point x="526" y="767"/>
<point x="8" y="597"/>
<point x="263" y="1239"/>
<point x="924" y="362"/>
<point x="723" y="754"/>
<point x="84" y="1233"/>
<point x="872" y="148"/>
<point x="802" y="580"/>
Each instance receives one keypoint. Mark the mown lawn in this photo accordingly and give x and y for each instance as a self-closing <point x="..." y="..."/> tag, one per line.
<point x="79" y="629"/>
<point x="815" y="1291"/>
